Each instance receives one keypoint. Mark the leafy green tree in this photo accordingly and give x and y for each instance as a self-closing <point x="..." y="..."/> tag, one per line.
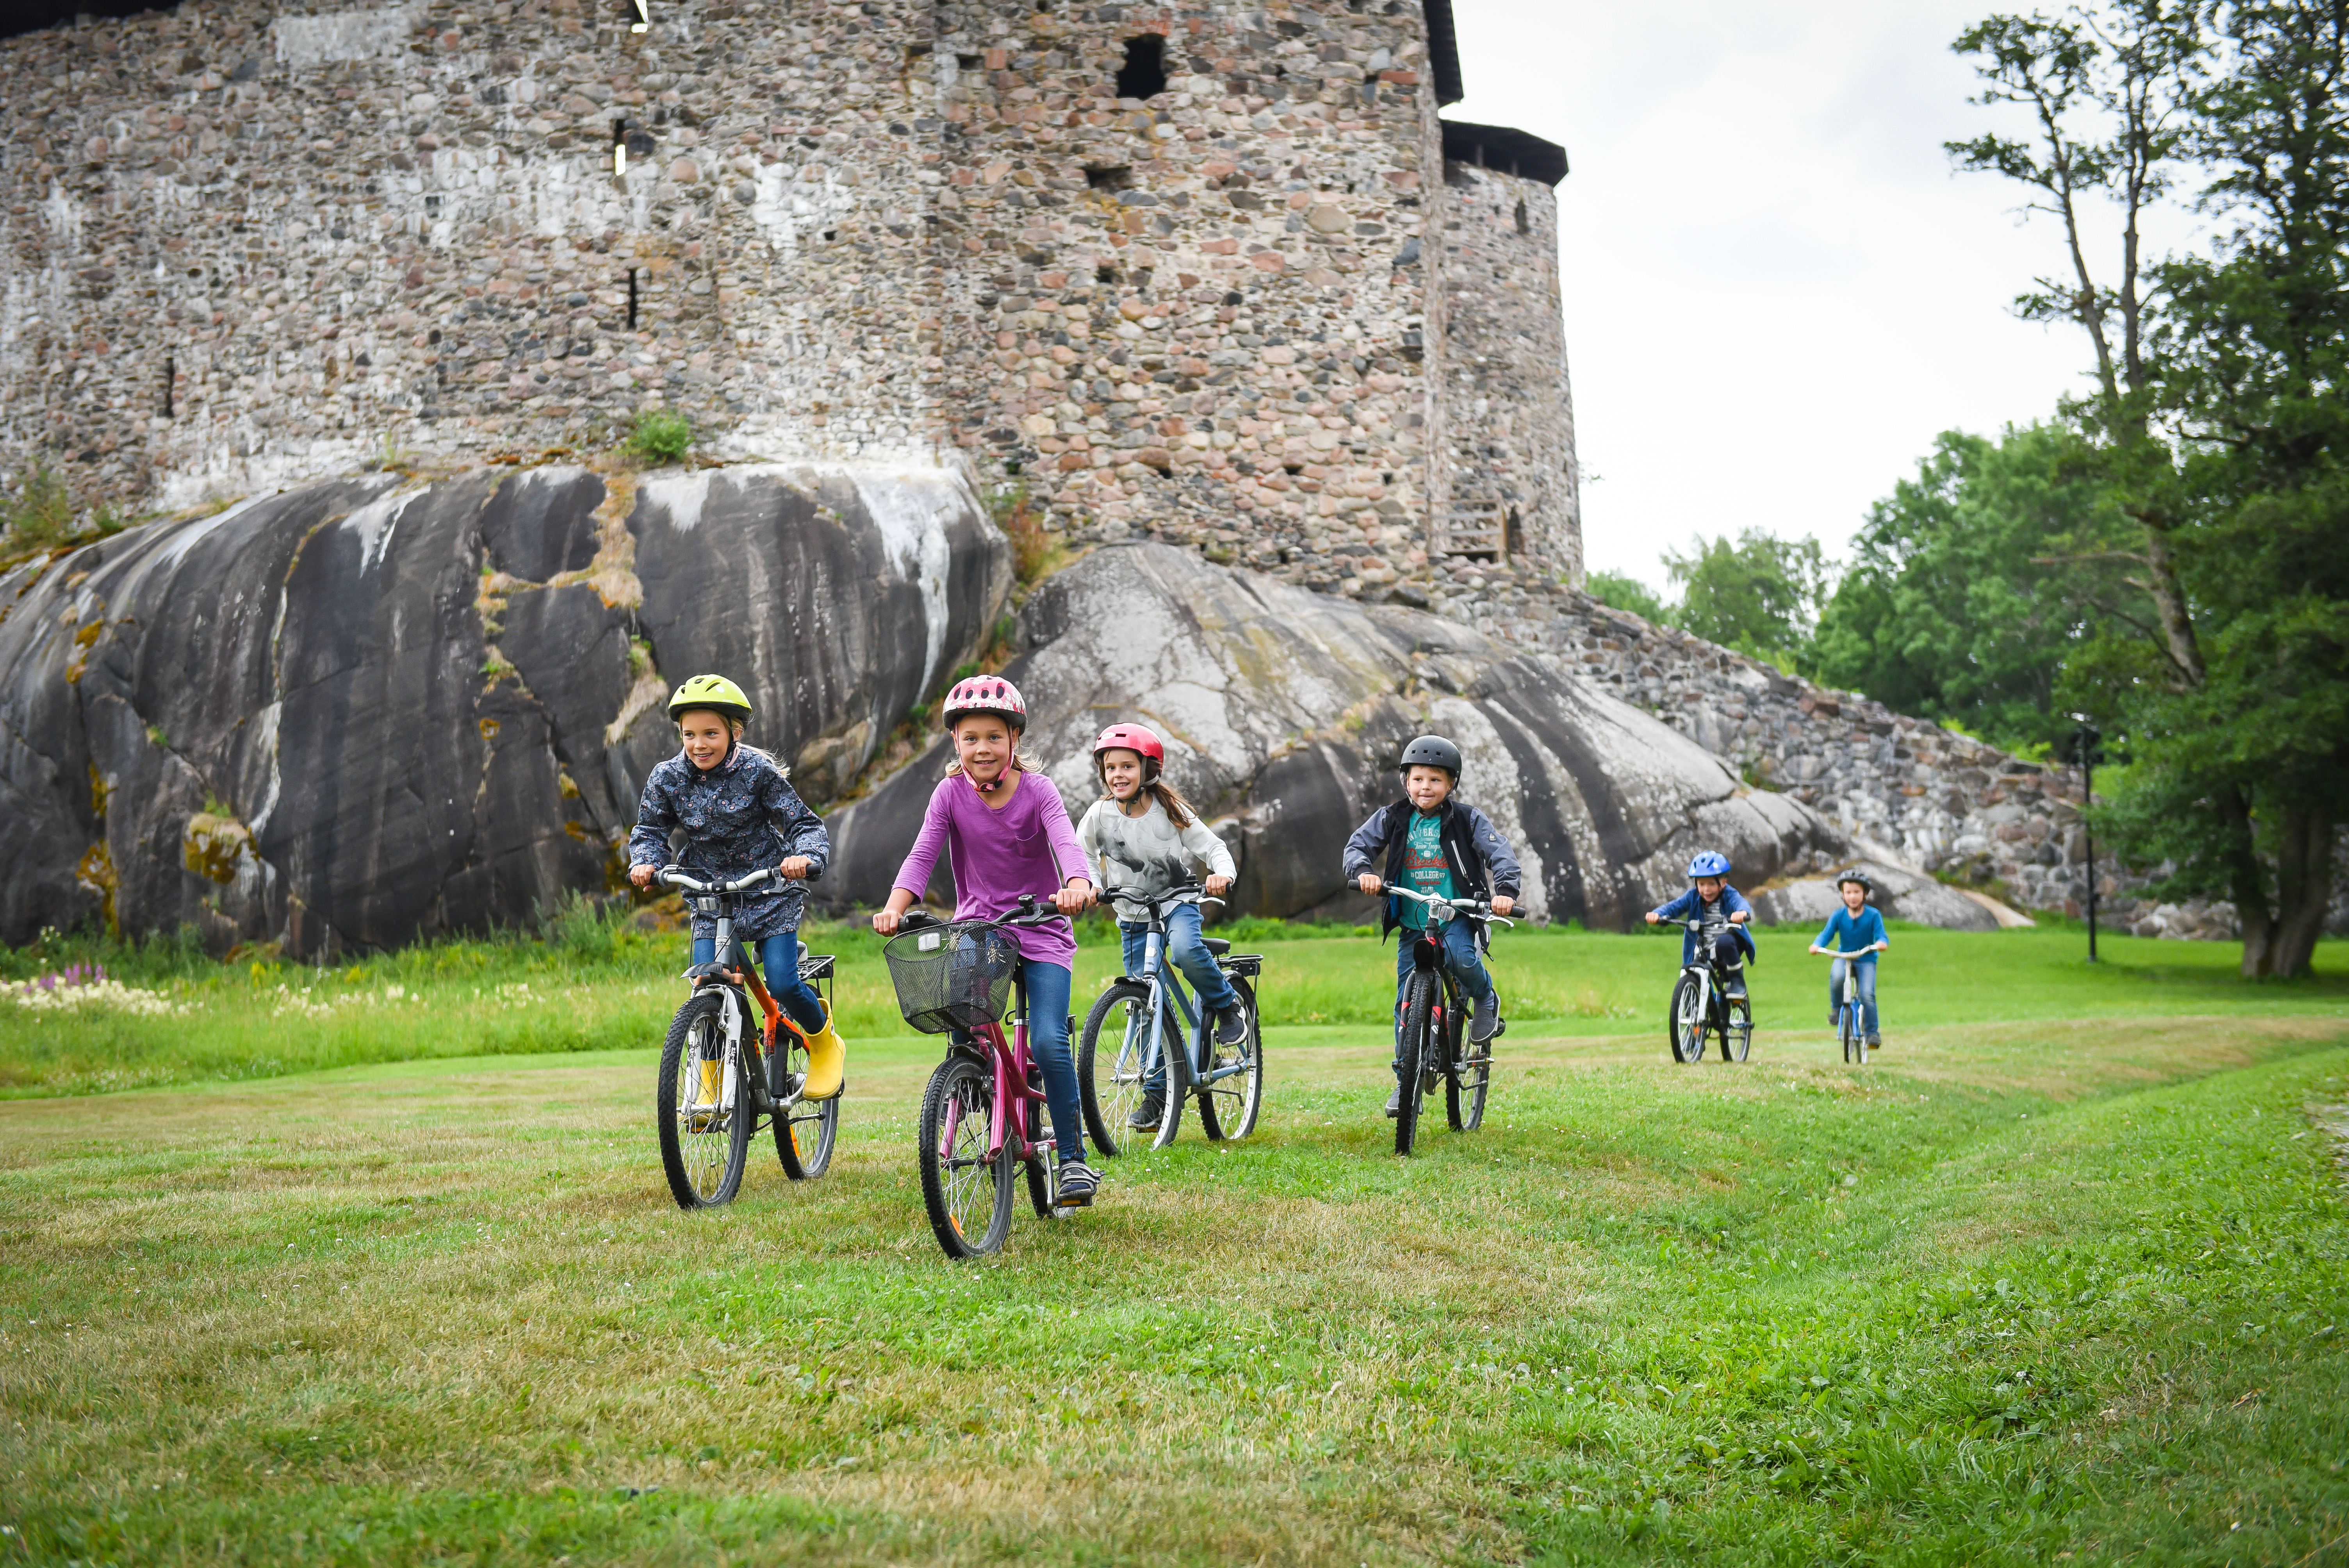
<point x="1760" y="596"/>
<point x="2218" y="429"/>
<point x="1620" y="591"/>
<point x="1951" y="608"/>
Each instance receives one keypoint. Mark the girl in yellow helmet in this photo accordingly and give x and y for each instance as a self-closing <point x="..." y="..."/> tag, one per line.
<point x="737" y="812"/>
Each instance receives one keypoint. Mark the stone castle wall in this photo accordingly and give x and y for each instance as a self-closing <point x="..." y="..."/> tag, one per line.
<point x="1509" y="414"/>
<point x="248" y="246"/>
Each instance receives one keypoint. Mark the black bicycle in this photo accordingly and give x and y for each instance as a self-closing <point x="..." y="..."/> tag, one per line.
<point x="1434" y="1044"/>
<point x="723" y="1069"/>
<point x="1160" y="1036"/>
<point x="1701" y="1005"/>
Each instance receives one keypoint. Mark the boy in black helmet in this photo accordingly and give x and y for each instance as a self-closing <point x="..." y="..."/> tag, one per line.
<point x="1433" y="844"/>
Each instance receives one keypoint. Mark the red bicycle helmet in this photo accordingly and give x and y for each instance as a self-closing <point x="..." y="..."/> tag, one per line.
<point x="1135" y="738"/>
<point x="984" y="694"/>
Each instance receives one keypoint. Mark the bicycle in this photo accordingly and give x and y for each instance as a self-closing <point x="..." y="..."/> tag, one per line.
<point x="720" y="1074"/>
<point x="981" y="1107"/>
<point x="1849" y="1031"/>
<point x="1434" y="1028"/>
<point x="1228" y="1080"/>
<point x="1701" y="1005"/>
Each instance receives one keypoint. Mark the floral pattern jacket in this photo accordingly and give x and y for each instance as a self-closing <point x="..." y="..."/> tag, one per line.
<point x="739" y="817"/>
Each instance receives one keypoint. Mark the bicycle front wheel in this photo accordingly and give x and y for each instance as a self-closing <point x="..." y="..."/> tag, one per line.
<point x="1418" y="1045"/>
<point x="1110" y="1067"/>
<point x="1466" y="1078"/>
<point x="1687" y="1020"/>
<point x="966" y="1190"/>
<point x="1228" y="1104"/>
<point x="703" y="1107"/>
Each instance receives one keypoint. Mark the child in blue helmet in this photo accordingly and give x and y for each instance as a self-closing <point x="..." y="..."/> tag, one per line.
<point x="1718" y="915"/>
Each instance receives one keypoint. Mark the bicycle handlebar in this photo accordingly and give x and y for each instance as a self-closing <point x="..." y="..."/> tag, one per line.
<point x="674" y="876"/>
<point x="1475" y="909"/>
<point x="1033" y="911"/>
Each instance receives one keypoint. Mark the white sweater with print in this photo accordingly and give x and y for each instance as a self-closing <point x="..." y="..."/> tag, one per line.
<point x="1141" y="863"/>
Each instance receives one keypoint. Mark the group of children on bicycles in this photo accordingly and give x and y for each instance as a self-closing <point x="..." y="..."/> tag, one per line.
<point x="1140" y="848"/>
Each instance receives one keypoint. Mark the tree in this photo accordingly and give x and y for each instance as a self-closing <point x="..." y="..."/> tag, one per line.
<point x="1620" y="591"/>
<point x="1951" y="609"/>
<point x="2217" y="429"/>
<point x="1760" y="596"/>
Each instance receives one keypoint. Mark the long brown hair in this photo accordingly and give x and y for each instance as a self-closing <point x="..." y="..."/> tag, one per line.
<point x="1178" y="810"/>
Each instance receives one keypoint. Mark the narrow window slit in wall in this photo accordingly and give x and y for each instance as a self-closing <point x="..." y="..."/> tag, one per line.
<point x="1120" y="178"/>
<point x="632" y="299"/>
<point x="1523" y="227"/>
<point x="620" y="149"/>
<point x="170" y="376"/>
<point x="1144" y="75"/>
<point x="643" y="19"/>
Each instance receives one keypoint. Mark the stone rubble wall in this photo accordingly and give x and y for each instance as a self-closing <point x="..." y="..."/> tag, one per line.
<point x="1962" y="810"/>
<point x="246" y="247"/>
<point x="1509" y="414"/>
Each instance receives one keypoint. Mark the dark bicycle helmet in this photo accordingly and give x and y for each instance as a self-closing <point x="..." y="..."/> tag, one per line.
<point x="1854" y="875"/>
<point x="1432" y="751"/>
<point x="1708" y="863"/>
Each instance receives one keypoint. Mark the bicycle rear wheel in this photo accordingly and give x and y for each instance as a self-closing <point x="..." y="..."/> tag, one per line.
<point x="1687" y="1035"/>
<point x="1109" y="1071"/>
<point x="703" y="1107"/>
<point x="1228" y="1106"/>
<point x="1737" y="1035"/>
<point x="1468" y="1074"/>
<point x="966" y="1192"/>
<point x="1418" y="1044"/>
<point x="805" y="1131"/>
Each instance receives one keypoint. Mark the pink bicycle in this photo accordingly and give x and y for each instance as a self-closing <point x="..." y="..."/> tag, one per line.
<point x="983" y="1112"/>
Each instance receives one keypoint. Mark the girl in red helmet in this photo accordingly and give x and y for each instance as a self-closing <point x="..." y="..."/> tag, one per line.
<point x="1008" y="834"/>
<point x="1143" y="841"/>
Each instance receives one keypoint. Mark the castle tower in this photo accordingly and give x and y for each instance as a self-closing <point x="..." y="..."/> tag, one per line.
<point x="1213" y="272"/>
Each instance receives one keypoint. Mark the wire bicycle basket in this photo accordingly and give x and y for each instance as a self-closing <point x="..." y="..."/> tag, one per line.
<point x="952" y="976"/>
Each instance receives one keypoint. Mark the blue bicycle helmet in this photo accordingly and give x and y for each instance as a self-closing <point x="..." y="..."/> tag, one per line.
<point x="1708" y="863"/>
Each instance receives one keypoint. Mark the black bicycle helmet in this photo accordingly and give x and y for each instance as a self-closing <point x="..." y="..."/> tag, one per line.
<point x="1432" y="751"/>
<point x="1853" y="875"/>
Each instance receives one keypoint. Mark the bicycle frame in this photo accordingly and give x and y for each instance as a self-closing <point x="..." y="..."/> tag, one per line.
<point x="1009" y="1120"/>
<point x="1168" y="994"/>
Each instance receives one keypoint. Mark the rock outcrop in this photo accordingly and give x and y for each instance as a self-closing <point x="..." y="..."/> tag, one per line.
<point x="363" y="711"/>
<point x="1283" y="710"/>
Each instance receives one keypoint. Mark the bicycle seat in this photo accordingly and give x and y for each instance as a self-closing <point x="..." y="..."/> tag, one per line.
<point x="1216" y="943"/>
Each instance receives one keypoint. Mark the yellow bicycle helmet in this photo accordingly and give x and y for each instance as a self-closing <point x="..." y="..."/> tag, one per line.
<point x="715" y="692"/>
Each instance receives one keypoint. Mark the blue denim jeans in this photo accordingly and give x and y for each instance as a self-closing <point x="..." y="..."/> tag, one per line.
<point x="1863" y="986"/>
<point x="1048" y="1041"/>
<point x="1187" y="953"/>
<point x="779" y="958"/>
<point x="1459" y="956"/>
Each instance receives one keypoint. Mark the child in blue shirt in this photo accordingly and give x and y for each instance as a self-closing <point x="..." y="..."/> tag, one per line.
<point x="1857" y="930"/>
<point x="1718" y="915"/>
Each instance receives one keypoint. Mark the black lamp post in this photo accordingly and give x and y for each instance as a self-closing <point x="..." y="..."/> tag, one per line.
<point x="2085" y="746"/>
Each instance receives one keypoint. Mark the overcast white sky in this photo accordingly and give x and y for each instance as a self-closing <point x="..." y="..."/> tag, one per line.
<point x="1776" y="292"/>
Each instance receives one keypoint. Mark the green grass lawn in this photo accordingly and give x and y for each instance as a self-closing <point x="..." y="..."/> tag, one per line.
<point x="2061" y="1276"/>
<point x="599" y="985"/>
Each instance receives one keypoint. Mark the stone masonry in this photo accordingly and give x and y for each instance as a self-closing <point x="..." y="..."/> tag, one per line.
<point x="1169" y="265"/>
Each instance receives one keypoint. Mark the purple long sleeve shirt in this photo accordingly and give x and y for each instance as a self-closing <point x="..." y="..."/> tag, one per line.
<point x="1028" y="846"/>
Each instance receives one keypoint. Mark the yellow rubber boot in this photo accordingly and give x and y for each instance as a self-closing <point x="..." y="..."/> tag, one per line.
<point x="827" y="1061"/>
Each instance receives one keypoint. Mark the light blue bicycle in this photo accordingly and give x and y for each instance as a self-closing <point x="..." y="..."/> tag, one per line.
<point x="1158" y="1034"/>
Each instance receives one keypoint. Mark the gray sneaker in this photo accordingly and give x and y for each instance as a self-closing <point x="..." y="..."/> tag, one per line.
<point x="1075" y="1184"/>
<point x="1146" y="1115"/>
<point x="1394" y="1102"/>
<point x="1231" y="1027"/>
<point x="1486" y="1021"/>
